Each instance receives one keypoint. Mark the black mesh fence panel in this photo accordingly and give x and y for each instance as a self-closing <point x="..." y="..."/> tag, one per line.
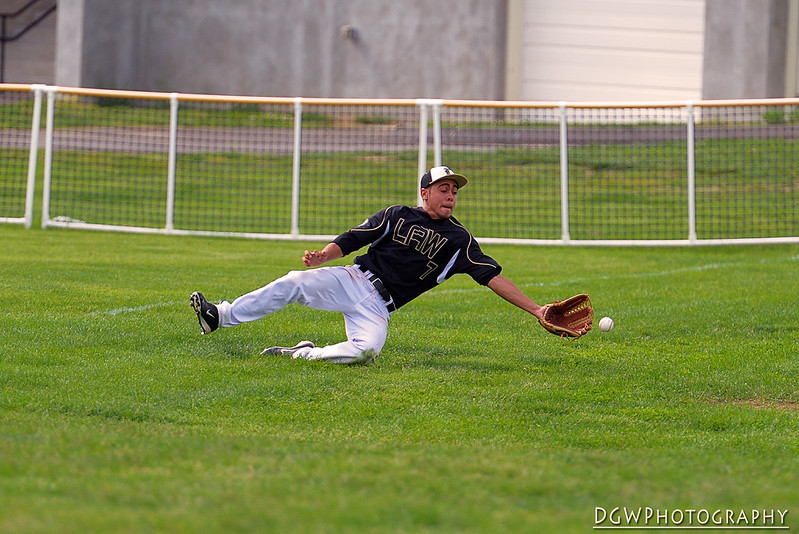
<point x="747" y="172"/>
<point x="356" y="160"/>
<point x="627" y="173"/>
<point x="512" y="159"/>
<point x="16" y="115"/>
<point x="109" y="160"/>
<point x="233" y="171"/>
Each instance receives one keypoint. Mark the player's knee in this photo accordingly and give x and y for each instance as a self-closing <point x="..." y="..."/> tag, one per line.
<point x="287" y="287"/>
<point x="373" y="344"/>
<point x="291" y="277"/>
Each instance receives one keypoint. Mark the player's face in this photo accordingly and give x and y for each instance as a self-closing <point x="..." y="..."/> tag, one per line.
<point x="439" y="199"/>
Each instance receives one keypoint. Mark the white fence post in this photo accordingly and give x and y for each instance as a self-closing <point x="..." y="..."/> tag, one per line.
<point x="691" y="174"/>
<point x="564" y="175"/>
<point x="422" y="166"/>
<point x="48" y="156"/>
<point x="33" y="156"/>
<point x="295" y="169"/>
<point x="171" y="164"/>
<point x="425" y="104"/>
<point x="437" y="156"/>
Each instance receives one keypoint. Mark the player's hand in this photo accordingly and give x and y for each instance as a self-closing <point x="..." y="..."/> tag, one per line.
<point x="314" y="259"/>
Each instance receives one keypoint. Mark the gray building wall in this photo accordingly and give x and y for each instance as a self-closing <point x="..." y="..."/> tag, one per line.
<point x="29" y="58"/>
<point x="745" y="49"/>
<point x="402" y="49"/>
<point x="398" y="49"/>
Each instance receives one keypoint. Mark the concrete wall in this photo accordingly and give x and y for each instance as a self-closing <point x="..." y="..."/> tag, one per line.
<point x="404" y="48"/>
<point x="745" y="49"/>
<point x="31" y="57"/>
<point x="69" y="43"/>
<point x="399" y="49"/>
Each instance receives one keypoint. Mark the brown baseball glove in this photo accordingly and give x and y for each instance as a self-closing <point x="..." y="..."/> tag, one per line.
<point x="572" y="317"/>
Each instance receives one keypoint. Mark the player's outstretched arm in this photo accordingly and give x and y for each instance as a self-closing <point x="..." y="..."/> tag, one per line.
<point x="510" y="292"/>
<point x="572" y="317"/>
<point x="316" y="258"/>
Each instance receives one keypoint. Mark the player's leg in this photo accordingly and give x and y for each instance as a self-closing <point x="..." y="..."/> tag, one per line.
<point x="253" y="305"/>
<point x="367" y="329"/>
<point x="325" y="288"/>
<point x="342" y="289"/>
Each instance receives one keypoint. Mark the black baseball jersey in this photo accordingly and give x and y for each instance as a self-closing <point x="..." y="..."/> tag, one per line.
<point x="412" y="252"/>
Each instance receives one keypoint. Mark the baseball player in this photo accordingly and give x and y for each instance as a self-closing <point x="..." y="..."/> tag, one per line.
<point x="411" y="250"/>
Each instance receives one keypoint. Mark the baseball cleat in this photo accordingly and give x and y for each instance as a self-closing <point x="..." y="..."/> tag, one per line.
<point x="207" y="313"/>
<point x="288" y="351"/>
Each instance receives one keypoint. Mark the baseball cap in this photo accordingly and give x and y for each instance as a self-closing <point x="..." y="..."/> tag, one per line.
<point x="441" y="173"/>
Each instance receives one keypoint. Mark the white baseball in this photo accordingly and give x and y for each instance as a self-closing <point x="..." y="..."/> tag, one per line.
<point x="606" y="324"/>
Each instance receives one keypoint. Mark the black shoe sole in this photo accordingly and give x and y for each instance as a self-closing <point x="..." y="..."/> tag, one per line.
<point x="197" y="300"/>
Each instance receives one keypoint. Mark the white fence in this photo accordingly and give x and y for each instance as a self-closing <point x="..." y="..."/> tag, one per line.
<point x="669" y="173"/>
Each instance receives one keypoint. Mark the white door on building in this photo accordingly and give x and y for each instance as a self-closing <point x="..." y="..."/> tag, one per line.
<point x="609" y="50"/>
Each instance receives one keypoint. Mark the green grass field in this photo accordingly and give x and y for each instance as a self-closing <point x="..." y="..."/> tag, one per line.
<point x="116" y="415"/>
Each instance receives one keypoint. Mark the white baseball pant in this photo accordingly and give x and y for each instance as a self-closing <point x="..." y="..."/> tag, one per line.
<point x="342" y="289"/>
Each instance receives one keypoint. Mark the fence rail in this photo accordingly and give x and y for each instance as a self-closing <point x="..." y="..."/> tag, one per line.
<point x="669" y="173"/>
